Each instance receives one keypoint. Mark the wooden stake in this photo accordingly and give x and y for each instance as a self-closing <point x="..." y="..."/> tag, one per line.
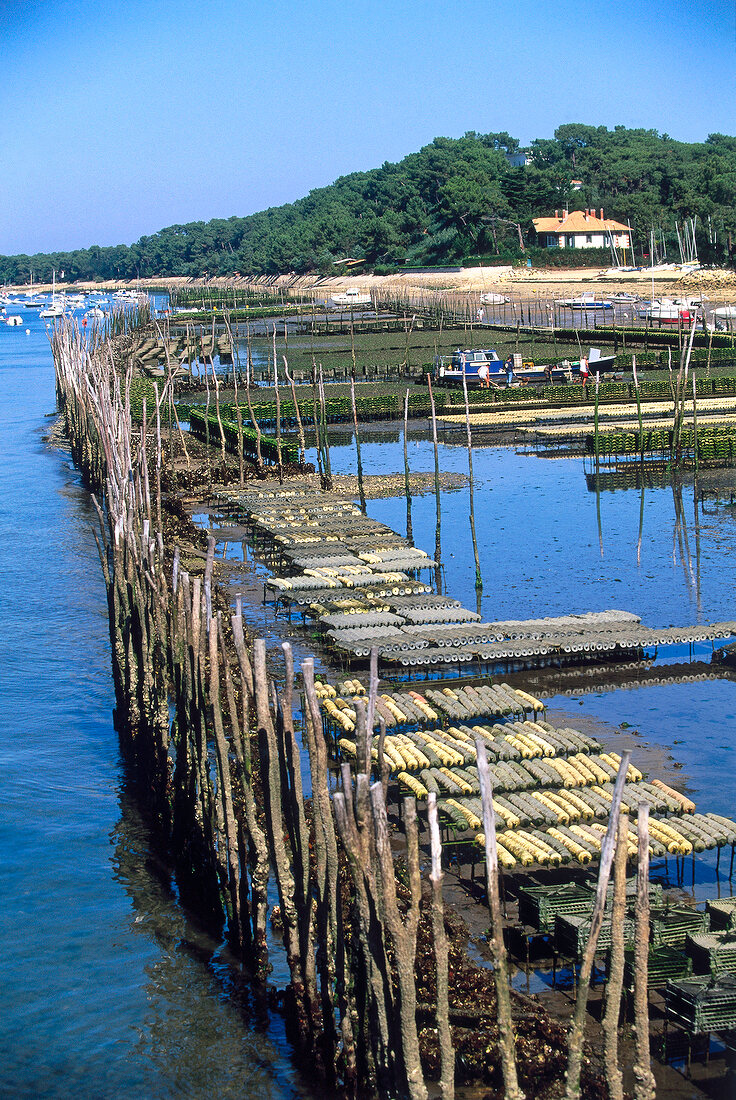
<point x="644" y="1088"/>
<point x="577" y="1027"/>
<point x="441" y="955"/>
<point x="614" y="986"/>
<point x="507" y="1041"/>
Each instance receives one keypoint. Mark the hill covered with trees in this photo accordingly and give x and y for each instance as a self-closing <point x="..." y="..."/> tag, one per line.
<point x="456" y="200"/>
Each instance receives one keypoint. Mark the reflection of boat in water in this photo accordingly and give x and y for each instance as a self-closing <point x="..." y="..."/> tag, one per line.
<point x="449" y="369"/>
<point x="584" y="301"/>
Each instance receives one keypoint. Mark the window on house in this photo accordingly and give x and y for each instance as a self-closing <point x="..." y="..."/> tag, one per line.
<point x="589" y="238"/>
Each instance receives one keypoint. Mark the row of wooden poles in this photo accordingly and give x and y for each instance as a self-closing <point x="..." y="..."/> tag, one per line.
<point x="211" y="743"/>
<point x="465" y="306"/>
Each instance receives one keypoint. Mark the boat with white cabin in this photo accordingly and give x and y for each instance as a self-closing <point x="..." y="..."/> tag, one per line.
<point x="667" y="311"/>
<point x="449" y="369"/>
<point x="53" y="310"/>
<point x="584" y="301"/>
<point x="352" y="298"/>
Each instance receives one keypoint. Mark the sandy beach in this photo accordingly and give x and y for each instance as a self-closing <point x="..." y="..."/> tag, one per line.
<point x="717" y="285"/>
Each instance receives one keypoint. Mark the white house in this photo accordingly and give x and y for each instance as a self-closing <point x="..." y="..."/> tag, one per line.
<point x="519" y="159"/>
<point x="580" y="229"/>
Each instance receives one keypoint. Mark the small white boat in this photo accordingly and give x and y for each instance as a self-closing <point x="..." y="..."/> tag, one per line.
<point x="55" y="309"/>
<point x="14" y="320"/>
<point x="667" y="311"/>
<point x="624" y="298"/>
<point x="725" y="313"/>
<point x="351" y="298"/>
<point x="493" y="299"/>
<point x="584" y="301"/>
<point x="95" y="314"/>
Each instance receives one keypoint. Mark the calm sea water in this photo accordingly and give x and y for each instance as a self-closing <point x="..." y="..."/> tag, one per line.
<point x="547" y="546"/>
<point x="108" y="990"/>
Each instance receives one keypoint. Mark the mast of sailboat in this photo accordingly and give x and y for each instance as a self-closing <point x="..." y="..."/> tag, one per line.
<point x="651" y="252"/>
<point x="631" y="242"/>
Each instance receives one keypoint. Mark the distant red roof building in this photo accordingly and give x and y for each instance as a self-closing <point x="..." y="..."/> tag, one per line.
<point x="580" y="229"/>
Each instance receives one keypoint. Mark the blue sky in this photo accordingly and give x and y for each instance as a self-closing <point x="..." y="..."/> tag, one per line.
<point x="117" y="120"/>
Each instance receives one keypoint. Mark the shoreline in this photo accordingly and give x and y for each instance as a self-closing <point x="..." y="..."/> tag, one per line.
<point x="473" y="279"/>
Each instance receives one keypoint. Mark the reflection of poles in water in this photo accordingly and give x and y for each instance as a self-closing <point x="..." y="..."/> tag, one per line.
<point x="478" y="577"/>
<point x="438" y="526"/>
<point x="407" y="486"/>
<point x="679" y="537"/>
<point x="361" y="491"/>
<point x="641" y="522"/>
<point x="598" y="513"/>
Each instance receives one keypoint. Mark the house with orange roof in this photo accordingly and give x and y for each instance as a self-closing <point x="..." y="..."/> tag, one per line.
<point x="580" y="229"/>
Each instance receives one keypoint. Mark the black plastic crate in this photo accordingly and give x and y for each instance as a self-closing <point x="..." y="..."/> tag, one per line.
<point x="722" y="912"/>
<point x="539" y="905"/>
<point x="702" y="1004"/>
<point x="670" y="926"/>
<point x="712" y="952"/>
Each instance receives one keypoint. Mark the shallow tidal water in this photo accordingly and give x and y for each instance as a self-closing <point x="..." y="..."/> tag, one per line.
<point x="549" y="546"/>
<point x="108" y="989"/>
